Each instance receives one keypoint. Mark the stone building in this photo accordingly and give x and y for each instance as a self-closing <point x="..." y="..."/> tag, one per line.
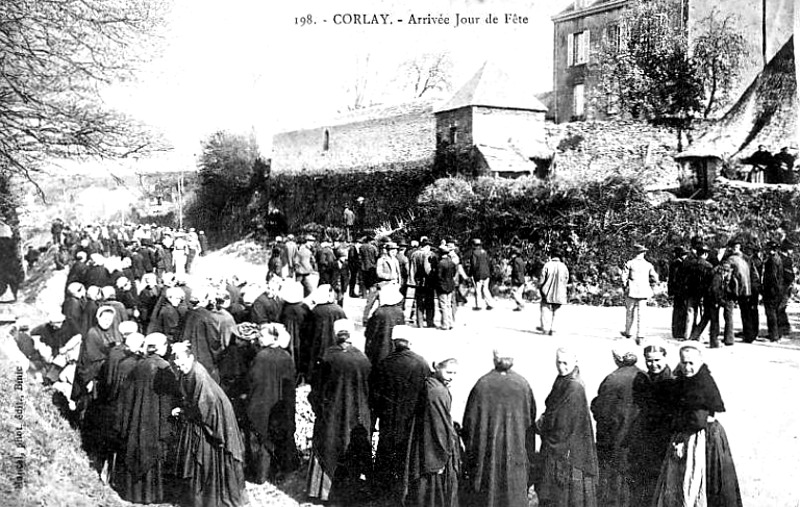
<point x="498" y="121"/>
<point x="494" y="119"/>
<point x="581" y="29"/>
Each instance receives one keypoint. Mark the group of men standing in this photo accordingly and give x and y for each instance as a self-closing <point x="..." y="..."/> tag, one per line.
<point x="701" y="283"/>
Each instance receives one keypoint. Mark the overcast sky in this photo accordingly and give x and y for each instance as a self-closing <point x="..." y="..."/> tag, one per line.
<point x="245" y="65"/>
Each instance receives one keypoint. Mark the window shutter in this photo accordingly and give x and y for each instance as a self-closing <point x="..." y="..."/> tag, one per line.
<point x="584" y="56"/>
<point x="570" y="55"/>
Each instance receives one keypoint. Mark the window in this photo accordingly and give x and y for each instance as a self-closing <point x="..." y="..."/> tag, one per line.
<point x="579" y="100"/>
<point x="453" y="133"/>
<point x="326" y="140"/>
<point x="613" y="37"/>
<point x="578" y="48"/>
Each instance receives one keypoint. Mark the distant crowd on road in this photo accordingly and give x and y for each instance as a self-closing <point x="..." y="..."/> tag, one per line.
<point x="182" y="389"/>
<point x="702" y="281"/>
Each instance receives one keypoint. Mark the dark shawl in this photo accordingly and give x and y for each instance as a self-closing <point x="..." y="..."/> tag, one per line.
<point x="695" y="398"/>
<point x="201" y="331"/>
<point x="265" y="309"/>
<point x="295" y="317"/>
<point x="89" y="316"/>
<point x="566" y="426"/>
<point x="147" y="401"/>
<point x="433" y="440"/>
<point x="322" y="336"/>
<point x="498" y="433"/>
<point x="72" y="308"/>
<point x="271" y="396"/>
<point x="95" y="347"/>
<point x="211" y="450"/>
<point x="395" y="385"/>
<point x="614" y="412"/>
<point x="378" y="334"/>
<point x="340" y="399"/>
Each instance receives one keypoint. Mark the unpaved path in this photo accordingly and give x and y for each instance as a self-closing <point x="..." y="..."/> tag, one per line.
<point x="758" y="382"/>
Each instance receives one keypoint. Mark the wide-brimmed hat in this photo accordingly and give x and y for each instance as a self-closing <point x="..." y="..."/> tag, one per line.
<point x="638" y="248"/>
<point x="310" y="237"/>
<point x="390" y="295"/>
<point x="391" y="246"/>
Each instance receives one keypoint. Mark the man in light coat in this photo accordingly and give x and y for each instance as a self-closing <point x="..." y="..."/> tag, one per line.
<point x="553" y="287"/>
<point x="638" y="279"/>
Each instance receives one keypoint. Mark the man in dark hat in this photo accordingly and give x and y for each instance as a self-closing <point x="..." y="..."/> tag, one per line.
<point x="480" y="271"/>
<point x="787" y="248"/>
<point x="368" y="257"/>
<point x="422" y="274"/>
<point x="676" y="288"/>
<point x="445" y="286"/>
<point x="773" y="289"/>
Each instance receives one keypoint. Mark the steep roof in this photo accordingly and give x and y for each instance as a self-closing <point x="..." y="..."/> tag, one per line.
<point x="766" y="113"/>
<point x="491" y="86"/>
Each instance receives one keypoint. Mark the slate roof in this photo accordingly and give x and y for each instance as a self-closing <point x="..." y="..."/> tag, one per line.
<point x="492" y="86"/>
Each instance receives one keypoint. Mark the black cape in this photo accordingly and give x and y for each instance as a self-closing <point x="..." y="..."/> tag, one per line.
<point x="395" y="386"/>
<point x="498" y="433"/>
<point x="378" y="334"/>
<point x="211" y="450"/>
<point x="271" y="411"/>
<point x="433" y="447"/>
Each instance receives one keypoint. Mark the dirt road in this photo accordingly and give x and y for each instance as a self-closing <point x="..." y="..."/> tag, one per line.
<point x="757" y="381"/>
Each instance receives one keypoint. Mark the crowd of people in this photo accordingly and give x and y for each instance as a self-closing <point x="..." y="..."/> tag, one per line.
<point x="183" y="390"/>
<point x="703" y="280"/>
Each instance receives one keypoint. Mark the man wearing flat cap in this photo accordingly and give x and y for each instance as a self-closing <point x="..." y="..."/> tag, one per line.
<point x="341" y="454"/>
<point x="638" y="279"/>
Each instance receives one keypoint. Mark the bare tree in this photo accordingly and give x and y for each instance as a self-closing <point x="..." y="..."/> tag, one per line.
<point x="357" y="91"/>
<point x="427" y="72"/>
<point x="55" y="56"/>
<point x="719" y="50"/>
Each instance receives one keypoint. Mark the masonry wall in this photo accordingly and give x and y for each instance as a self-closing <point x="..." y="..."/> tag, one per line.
<point x="594" y="150"/>
<point x="494" y="127"/>
<point x="372" y="143"/>
<point x="461" y="119"/>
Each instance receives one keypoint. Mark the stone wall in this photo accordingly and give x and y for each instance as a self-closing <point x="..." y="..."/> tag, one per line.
<point x="380" y="137"/>
<point x="591" y="151"/>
